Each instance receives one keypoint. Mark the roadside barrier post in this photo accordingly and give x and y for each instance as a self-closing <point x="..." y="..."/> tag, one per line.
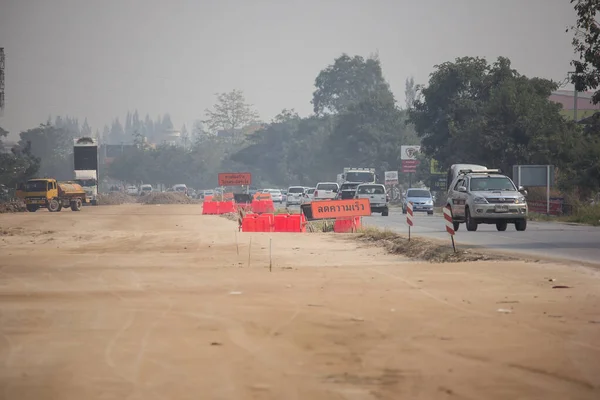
<point x="409" y="217"/>
<point x="449" y="225"/>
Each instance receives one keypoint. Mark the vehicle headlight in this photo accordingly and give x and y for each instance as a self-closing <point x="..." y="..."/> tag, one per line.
<point x="429" y="202"/>
<point x="480" y="200"/>
<point x="520" y="200"/>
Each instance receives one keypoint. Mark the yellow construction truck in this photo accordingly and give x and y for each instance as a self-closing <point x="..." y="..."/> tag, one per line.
<point x="53" y="195"/>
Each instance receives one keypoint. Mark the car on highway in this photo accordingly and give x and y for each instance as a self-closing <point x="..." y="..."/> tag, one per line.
<point x="421" y="200"/>
<point x="347" y="190"/>
<point x="131" y="190"/>
<point x="181" y="188"/>
<point x="309" y="195"/>
<point x="276" y="195"/>
<point x="145" y="189"/>
<point x="326" y="191"/>
<point x="378" y="198"/>
<point x="295" y="195"/>
<point x="487" y="197"/>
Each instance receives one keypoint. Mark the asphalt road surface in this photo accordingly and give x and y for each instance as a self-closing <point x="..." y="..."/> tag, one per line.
<point x="541" y="239"/>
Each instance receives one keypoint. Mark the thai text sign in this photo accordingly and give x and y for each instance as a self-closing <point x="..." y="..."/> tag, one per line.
<point x="235" y="179"/>
<point x="341" y="208"/>
<point x="391" y="177"/>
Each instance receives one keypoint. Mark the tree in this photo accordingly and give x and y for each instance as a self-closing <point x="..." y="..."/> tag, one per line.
<point x="586" y="43"/>
<point x="373" y="129"/>
<point x="485" y="114"/>
<point x="347" y="81"/>
<point x="230" y="112"/>
<point x="410" y="92"/>
<point x="86" y="130"/>
<point x="117" y="133"/>
<point x="53" y="146"/>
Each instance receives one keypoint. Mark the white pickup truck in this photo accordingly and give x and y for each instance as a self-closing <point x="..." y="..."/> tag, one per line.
<point x="326" y="191"/>
<point x="378" y="198"/>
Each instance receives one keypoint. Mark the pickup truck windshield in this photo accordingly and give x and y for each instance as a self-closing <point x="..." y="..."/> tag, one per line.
<point x="418" y="193"/>
<point x="36" y="186"/>
<point x="360" y="176"/>
<point x="489" y="183"/>
<point x="296" y="190"/>
<point x="374" y="189"/>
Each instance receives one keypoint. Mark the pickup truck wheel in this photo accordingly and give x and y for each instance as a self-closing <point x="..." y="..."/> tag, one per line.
<point x="501" y="226"/>
<point x="403" y="210"/>
<point x="76" y="205"/>
<point x="456" y="226"/>
<point x="521" y="225"/>
<point x="471" y="225"/>
<point x="53" y="205"/>
<point x="385" y="213"/>
<point x="31" y="208"/>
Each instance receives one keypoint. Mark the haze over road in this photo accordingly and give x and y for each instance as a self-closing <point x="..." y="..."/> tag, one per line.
<point x="543" y="239"/>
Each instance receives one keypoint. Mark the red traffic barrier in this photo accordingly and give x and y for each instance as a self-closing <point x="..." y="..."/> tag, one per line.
<point x="210" y="208"/>
<point x="262" y="206"/>
<point x="409" y="214"/>
<point x="226" y="207"/>
<point x="346" y="224"/>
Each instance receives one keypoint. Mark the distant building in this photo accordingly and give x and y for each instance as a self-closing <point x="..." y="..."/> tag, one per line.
<point x="585" y="107"/>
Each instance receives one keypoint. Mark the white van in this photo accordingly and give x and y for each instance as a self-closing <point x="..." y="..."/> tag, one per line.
<point x="326" y="191"/>
<point x="295" y="195"/>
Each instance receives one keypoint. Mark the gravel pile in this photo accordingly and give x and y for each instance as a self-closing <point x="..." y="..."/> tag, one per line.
<point x="12" y="207"/>
<point x="114" y="198"/>
<point x="165" y="198"/>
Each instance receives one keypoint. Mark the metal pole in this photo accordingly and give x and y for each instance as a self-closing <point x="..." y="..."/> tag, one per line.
<point x="547" y="189"/>
<point x="575" y="105"/>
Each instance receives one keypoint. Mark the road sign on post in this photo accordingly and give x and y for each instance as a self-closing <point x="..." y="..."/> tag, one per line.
<point x="391" y="177"/>
<point x="409" y="216"/>
<point x="449" y="224"/>
<point x="408" y="157"/>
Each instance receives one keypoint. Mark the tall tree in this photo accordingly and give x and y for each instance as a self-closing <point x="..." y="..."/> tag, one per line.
<point x="348" y="81"/>
<point x="485" y="114"/>
<point x="128" y="124"/>
<point x="230" y="112"/>
<point x="86" y="130"/>
<point x="117" y="133"/>
<point x="410" y="92"/>
<point x="586" y="42"/>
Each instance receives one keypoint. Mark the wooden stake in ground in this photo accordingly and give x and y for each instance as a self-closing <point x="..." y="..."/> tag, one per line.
<point x="270" y="255"/>
<point x="237" y="246"/>
<point x="409" y="217"/>
<point x="249" y="251"/>
<point x="449" y="225"/>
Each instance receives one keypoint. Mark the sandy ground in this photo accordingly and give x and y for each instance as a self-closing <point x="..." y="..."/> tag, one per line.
<point x="154" y="302"/>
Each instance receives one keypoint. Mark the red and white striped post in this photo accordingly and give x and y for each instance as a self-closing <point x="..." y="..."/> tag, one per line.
<point x="409" y="217"/>
<point x="449" y="224"/>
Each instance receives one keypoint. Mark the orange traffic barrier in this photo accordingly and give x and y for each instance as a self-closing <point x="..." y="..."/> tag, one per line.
<point x="280" y="223"/>
<point x="226" y="207"/>
<point x="262" y="206"/>
<point x="210" y="207"/>
<point x="249" y="223"/>
<point x="345" y="225"/>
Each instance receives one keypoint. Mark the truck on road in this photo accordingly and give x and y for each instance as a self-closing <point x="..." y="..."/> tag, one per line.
<point x="357" y="175"/>
<point x="53" y="195"/>
<point x="85" y="160"/>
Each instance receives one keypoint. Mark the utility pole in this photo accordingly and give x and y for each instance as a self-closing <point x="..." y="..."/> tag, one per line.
<point x="575" y="97"/>
<point x="2" y="59"/>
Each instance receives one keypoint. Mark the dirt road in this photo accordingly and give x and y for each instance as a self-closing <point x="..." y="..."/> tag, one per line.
<point x="154" y="302"/>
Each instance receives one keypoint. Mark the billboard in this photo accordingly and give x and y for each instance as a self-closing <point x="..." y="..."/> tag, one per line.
<point x="391" y="177"/>
<point x="409" y="152"/>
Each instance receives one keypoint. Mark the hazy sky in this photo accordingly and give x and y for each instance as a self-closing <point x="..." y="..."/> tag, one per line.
<point x="98" y="59"/>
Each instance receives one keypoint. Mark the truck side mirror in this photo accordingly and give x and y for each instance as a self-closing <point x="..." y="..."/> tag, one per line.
<point x="462" y="189"/>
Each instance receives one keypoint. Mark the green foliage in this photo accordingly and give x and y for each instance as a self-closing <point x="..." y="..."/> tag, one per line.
<point x="349" y="80"/>
<point x="16" y="165"/>
<point x="53" y="145"/>
<point x="586" y="42"/>
<point x="474" y="112"/>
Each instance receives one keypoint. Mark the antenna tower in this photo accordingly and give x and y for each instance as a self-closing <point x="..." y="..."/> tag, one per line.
<point x="1" y="80"/>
